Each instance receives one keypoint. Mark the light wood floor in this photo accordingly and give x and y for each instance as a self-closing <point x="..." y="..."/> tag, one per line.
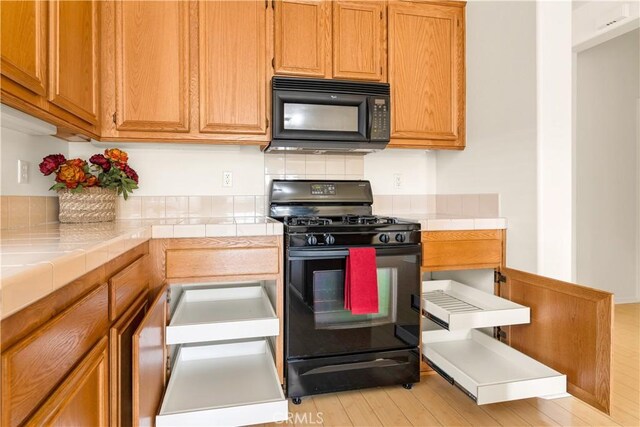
<point x="433" y="402"/>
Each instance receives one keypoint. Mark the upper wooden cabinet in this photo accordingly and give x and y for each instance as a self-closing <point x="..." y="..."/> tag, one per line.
<point x="24" y="44"/>
<point x="303" y="38"/>
<point x="427" y="74"/>
<point x="330" y="39"/>
<point x="73" y="64"/>
<point x="152" y="65"/>
<point x="233" y="67"/>
<point x="358" y="46"/>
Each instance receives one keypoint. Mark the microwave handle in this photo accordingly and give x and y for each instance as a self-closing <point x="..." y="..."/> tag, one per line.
<point x="370" y="117"/>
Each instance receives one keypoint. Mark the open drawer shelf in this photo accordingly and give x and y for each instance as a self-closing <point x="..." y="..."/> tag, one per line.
<point x="233" y="383"/>
<point x="486" y="369"/>
<point x="214" y="314"/>
<point x="455" y="306"/>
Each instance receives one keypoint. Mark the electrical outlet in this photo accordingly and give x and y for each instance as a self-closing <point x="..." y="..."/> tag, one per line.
<point x="227" y="179"/>
<point x="397" y="180"/>
<point x="23" y="172"/>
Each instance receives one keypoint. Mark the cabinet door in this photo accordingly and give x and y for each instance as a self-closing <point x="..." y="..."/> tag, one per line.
<point x="150" y="362"/>
<point x="358" y="48"/>
<point x="83" y="397"/>
<point x="121" y="359"/>
<point x="426" y="73"/>
<point x="23" y="41"/>
<point x="303" y="38"/>
<point x="233" y="67"/>
<point x="73" y="64"/>
<point x="570" y="331"/>
<point x="152" y="65"/>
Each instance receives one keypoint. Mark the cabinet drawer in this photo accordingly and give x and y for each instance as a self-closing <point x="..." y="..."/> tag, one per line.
<point x="459" y="250"/>
<point x="212" y="262"/>
<point x="486" y="369"/>
<point x="237" y="384"/>
<point x="125" y="286"/>
<point x="222" y="314"/>
<point x="35" y="365"/>
<point x="453" y="306"/>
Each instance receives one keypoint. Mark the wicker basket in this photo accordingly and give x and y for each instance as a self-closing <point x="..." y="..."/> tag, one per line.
<point x="93" y="204"/>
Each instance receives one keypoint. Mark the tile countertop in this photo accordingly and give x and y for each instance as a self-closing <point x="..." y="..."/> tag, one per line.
<point x="449" y="222"/>
<point x="36" y="261"/>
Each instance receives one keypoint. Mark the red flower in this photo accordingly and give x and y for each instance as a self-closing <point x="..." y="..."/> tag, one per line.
<point x="51" y="163"/>
<point x="102" y="161"/>
<point x="128" y="170"/>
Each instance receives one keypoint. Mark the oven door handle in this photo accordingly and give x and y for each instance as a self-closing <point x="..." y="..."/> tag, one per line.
<point x="299" y="254"/>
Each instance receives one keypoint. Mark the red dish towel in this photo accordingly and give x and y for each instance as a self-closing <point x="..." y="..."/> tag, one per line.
<point x="361" y="281"/>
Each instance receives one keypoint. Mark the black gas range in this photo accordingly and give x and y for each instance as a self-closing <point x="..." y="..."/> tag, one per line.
<point x="327" y="348"/>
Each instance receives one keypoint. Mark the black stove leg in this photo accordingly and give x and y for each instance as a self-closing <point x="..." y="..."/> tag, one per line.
<point x="296" y="400"/>
<point x="407" y="386"/>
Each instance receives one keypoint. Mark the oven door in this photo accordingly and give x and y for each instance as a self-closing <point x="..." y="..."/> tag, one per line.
<point x="317" y="323"/>
<point x="319" y="116"/>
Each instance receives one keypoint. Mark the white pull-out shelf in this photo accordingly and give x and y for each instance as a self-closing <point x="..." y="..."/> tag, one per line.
<point x="214" y="314"/>
<point x="223" y="384"/>
<point x="486" y="369"/>
<point x="455" y="306"/>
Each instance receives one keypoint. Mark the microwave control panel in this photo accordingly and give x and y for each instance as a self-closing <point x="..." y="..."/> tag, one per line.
<point x="380" y="117"/>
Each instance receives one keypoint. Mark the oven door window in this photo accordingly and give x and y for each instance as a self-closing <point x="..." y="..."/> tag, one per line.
<point x="328" y="301"/>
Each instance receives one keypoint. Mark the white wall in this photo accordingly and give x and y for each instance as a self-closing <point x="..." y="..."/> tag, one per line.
<point x="607" y="184"/>
<point x="16" y="146"/>
<point x="554" y="97"/>
<point x="501" y="121"/>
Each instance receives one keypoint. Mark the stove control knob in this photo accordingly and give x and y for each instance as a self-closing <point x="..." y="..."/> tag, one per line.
<point x="329" y="239"/>
<point x="312" y="240"/>
<point x="384" y="238"/>
<point x="400" y="238"/>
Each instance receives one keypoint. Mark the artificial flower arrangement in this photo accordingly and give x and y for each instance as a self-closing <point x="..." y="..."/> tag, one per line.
<point x="109" y="171"/>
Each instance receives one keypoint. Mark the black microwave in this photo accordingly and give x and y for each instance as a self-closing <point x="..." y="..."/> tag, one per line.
<point x="329" y="116"/>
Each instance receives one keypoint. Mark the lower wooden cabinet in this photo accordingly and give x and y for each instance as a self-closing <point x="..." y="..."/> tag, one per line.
<point x="565" y="331"/>
<point x="223" y="370"/>
<point x="83" y="398"/>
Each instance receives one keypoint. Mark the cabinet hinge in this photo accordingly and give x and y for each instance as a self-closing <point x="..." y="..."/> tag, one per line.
<point x="500" y="334"/>
<point x="499" y="277"/>
<point x="115" y="118"/>
<point x="267" y="122"/>
<point x="168" y="296"/>
<point x="168" y="365"/>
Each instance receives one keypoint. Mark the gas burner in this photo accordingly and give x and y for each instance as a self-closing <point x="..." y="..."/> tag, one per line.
<point x="367" y="219"/>
<point x="308" y="220"/>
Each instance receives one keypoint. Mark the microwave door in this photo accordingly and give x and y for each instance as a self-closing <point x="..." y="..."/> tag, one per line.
<point x="320" y="116"/>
